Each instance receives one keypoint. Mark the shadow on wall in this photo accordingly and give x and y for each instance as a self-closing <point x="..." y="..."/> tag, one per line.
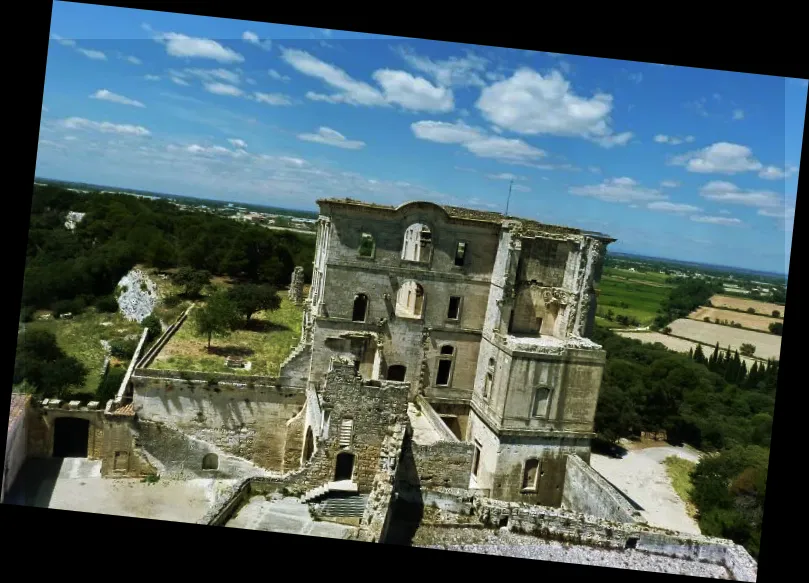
<point x="35" y="483"/>
<point x="408" y="506"/>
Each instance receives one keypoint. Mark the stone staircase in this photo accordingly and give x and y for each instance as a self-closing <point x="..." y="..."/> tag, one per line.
<point x="352" y="506"/>
<point x="297" y="351"/>
<point x="315" y="494"/>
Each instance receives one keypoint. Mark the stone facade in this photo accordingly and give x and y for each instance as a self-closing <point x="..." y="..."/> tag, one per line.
<point x="296" y="286"/>
<point x="485" y="318"/>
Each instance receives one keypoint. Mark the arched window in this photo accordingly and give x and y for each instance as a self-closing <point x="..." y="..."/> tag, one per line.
<point x="410" y="300"/>
<point x="360" y="308"/>
<point x="397" y="372"/>
<point x="418" y="243"/>
<point x="529" y="475"/>
<point x="445" y="360"/>
<point x="210" y="461"/>
<point x="542" y="397"/>
<point x="488" y="382"/>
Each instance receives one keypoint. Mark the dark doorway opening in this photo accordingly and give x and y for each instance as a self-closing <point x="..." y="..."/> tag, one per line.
<point x="476" y="459"/>
<point x="344" y="468"/>
<point x="308" y="446"/>
<point x="360" y="308"/>
<point x="70" y="437"/>
<point x="397" y="373"/>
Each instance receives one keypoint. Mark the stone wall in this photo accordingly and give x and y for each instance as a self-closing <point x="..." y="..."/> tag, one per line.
<point x="293" y="446"/>
<point x="586" y="491"/>
<point x="443" y="464"/>
<point x="296" y="286"/>
<point x="121" y="456"/>
<point x="42" y="421"/>
<point x="250" y="423"/>
<point x="16" y="442"/>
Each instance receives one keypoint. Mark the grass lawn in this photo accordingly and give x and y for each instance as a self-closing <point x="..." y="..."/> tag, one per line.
<point x="679" y="471"/>
<point x="81" y="337"/>
<point x="642" y="300"/>
<point x="648" y="277"/>
<point x="266" y="343"/>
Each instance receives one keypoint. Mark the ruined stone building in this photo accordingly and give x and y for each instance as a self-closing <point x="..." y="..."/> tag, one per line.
<point x="486" y="319"/>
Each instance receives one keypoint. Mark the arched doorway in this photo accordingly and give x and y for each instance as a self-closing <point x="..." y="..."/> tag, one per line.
<point x="360" y="308"/>
<point x="344" y="467"/>
<point x="397" y="372"/>
<point x="70" y="437"/>
<point x="308" y="446"/>
<point x="210" y="461"/>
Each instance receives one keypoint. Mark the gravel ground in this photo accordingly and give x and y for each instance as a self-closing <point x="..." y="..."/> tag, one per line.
<point x="642" y="475"/>
<point x="506" y="544"/>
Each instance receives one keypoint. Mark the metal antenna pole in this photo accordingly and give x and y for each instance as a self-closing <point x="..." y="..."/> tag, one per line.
<point x="508" y="200"/>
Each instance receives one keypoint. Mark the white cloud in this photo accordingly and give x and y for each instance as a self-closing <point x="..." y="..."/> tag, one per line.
<point x="669" y="184"/>
<point x="183" y="46"/>
<point x="727" y="192"/>
<point x="278" y="76"/>
<point x="63" y="41"/>
<point x="350" y="90"/>
<point x="738" y="114"/>
<point x="782" y="213"/>
<point x="223" y="89"/>
<point x="134" y="60"/>
<point x="622" y="189"/>
<point x="237" y="143"/>
<point x="254" y="39"/>
<point x="673" y="140"/>
<point x="331" y="137"/>
<point x="455" y="71"/>
<point x="521" y="188"/>
<point x="179" y="80"/>
<point x="531" y="104"/>
<point x="272" y="98"/>
<point x="724" y="212"/>
<point x="212" y="75"/>
<point x="594" y="169"/>
<point x="105" y="95"/>
<point x="95" y="55"/>
<point x="414" y="93"/>
<point x="151" y="77"/>
<point x="79" y="123"/>
<point x="477" y="142"/>
<point x="719" y="158"/>
<point x="776" y="173"/>
<point x="671" y="207"/>
<point x="716" y="220"/>
<point x="505" y="176"/>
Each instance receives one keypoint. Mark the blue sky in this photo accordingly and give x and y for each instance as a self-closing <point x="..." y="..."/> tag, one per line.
<point x="676" y="162"/>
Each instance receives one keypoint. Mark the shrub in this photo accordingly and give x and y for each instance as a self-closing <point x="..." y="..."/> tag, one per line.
<point x="776" y="314"/>
<point x="707" y="319"/>
<point x="107" y="304"/>
<point x="123" y="349"/>
<point x="74" y="306"/>
<point x="751" y="310"/>
<point x="152" y="324"/>
<point x="109" y="385"/>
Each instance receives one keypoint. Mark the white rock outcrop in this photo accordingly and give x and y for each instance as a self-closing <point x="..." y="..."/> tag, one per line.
<point x="139" y="296"/>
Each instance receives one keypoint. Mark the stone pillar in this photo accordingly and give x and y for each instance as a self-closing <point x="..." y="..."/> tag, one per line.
<point x="296" y="286"/>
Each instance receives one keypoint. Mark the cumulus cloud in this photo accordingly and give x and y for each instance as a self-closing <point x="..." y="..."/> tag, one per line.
<point x="455" y="71"/>
<point x="413" y="93"/>
<point x="669" y="184"/>
<point x="254" y="39"/>
<point x="623" y="190"/>
<point x="63" y="41"/>
<point x="184" y="46"/>
<point x="671" y="207"/>
<point x="106" y="95"/>
<point x="719" y="158"/>
<point x="151" y="77"/>
<point x="727" y="192"/>
<point x="505" y="176"/>
<point x="212" y="75"/>
<point x="330" y="137"/>
<point x="776" y="173"/>
<point x="91" y="54"/>
<point x="223" y="89"/>
<point x="477" y="141"/>
<point x="278" y="76"/>
<point x="728" y="221"/>
<point x="397" y="87"/>
<point x="673" y="140"/>
<point x="237" y="143"/>
<point x="79" y="123"/>
<point x="531" y="104"/>
<point x="272" y="98"/>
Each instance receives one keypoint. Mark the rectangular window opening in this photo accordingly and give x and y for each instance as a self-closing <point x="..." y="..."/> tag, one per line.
<point x="444" y="367"/>
<point x="460" y="253"/>
<point x="454" y="310"/>
<point x="476" y="459"/>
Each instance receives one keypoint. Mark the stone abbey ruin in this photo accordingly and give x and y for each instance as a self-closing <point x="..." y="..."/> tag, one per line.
<point x="444" y="365"/>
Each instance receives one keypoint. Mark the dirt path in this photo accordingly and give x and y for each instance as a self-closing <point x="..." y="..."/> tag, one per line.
<point x="642" y="475"/>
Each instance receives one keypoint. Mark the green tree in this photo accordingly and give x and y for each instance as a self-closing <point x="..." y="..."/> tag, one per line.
<point x="42" y="363"/>
<point x="251" y="298"/>
<point x="192" y="280"/>
<point x="776" y="314"/>
<point x="218" y="317"/>
<point x="747" y="349"/>
<point x="777" y="328"/>
<point x="153" y="325"/>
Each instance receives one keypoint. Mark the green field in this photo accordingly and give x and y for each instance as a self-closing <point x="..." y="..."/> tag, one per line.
<point x="679" y="472"/>
<point x="632" y="294"/>
<point x="81" y="337"/>
<point x="270" y="339"/>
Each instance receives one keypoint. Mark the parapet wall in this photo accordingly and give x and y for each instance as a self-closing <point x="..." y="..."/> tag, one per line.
<point x="586" y="491"/>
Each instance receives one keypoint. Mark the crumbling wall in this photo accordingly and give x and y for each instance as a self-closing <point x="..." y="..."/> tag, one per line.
<point x="586" y="491"/>
<point x="250" y="423"/>
<point x="293" y="444"/>
<point x="443" y="464"/>
<point x="296" y="286"/>
<point x="122" y="457"/>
